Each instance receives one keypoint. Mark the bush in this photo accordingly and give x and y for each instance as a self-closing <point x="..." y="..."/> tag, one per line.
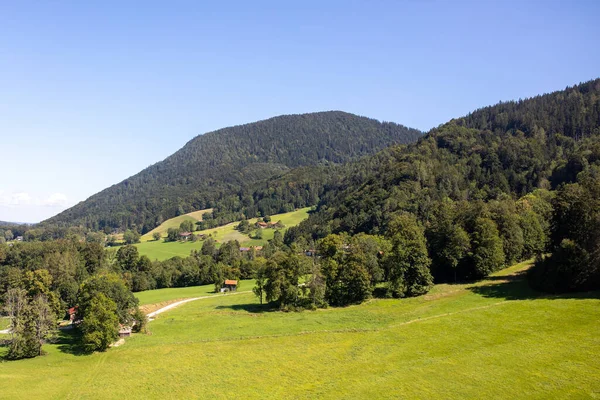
<point x="141" y="321"/>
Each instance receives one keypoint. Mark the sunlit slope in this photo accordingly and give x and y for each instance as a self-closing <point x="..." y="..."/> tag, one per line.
<point x="496" y="339"/>
<point x="160" y="250"/>
<point x="194" y="216"/>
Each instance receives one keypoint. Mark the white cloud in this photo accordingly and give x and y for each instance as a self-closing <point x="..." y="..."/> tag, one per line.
<point x="55" y="200"/>
<point x="31" y="207"/>
<point x="17" y="199"/>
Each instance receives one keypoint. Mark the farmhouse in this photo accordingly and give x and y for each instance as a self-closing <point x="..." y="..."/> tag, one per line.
<point x="185" y="235"/>
<point x="229" y="285"/>
<point x="247" y="249"/>
<point x="262" y="225"/>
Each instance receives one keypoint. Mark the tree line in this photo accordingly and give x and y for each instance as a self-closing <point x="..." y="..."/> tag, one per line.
<point x="40" y="281"/>
<point x="479" y="173"/>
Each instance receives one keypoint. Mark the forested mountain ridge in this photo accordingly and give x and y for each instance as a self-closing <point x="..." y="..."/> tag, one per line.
<point x="227" y="161"/>
<point x="499" y="152"/>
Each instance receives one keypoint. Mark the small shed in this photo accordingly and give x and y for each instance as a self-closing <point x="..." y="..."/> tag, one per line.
<point x="72" y="313"/>
<point x="124" y="331"/>
<point x="229" y="285"/>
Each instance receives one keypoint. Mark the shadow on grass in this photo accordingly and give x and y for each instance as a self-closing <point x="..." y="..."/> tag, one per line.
<point x="69" y="342"/>
<point x="516" y="287"/>
<point x="251" y="308"/>
<point x="381" y="292"/>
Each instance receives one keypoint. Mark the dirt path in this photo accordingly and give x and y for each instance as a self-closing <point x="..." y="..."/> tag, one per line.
<point x="178" y="303"/>
<point x="5" y="331"/>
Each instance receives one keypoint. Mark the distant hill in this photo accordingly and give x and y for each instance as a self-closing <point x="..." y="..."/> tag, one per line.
<point x="218" y="164"/>
<point x="9" y="223"/>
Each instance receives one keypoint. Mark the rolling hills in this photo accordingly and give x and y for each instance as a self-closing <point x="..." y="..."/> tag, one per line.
<point x="228" y="161"/>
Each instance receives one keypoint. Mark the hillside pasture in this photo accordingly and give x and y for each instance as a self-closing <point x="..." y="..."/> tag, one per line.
<point x="169" y="294"/>
<point x="194" y="216"/>
<point x="495" y="339"/>
<point x="228" y="232"/>
<point x="160" y="250"/>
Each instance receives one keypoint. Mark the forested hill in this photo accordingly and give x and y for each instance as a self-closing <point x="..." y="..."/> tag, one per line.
<point x="227" y="161"/>
<point x="495" y="153"/>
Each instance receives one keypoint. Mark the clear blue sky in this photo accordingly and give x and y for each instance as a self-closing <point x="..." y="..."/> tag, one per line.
<point x="93" y="93"/>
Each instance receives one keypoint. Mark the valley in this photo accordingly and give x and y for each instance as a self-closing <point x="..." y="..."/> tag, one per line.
<point x="320" y="255"/>
<point x="494" y="339"/>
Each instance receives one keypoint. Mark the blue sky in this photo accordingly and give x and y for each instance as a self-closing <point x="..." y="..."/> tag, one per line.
<point x="93" y="93"/>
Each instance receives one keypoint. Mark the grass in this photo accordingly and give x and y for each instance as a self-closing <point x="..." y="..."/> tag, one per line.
<point x="164" y="250"/>
<point x="227" y="232"/>
<point x="159" y="250"/>
<point x="174" y="223"/>
<point x="496" y="339"/>
<point x="163" y="295"/>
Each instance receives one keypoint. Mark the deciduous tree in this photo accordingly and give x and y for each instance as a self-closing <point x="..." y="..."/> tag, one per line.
<point x="100" y="326"/>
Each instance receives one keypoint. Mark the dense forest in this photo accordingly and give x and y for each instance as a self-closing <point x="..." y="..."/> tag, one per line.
<point x="487" y="171"/>
<point x="219" y="164"/>
<point x="40" y="281"/>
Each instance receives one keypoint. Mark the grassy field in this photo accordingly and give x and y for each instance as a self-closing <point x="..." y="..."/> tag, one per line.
<point x="496" y="339"/>
<point x="162" y="295"/>
<point x="159" y="250"/>
<point x="174" y="223"/>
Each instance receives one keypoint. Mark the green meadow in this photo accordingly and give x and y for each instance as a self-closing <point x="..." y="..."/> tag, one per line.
<point x="160" y="250"/>
<point x="194" y="216"/>
<point x="496" y="339"/>
<point x="168" y="294"/>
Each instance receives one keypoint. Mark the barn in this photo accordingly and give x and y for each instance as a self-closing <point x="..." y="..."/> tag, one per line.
<point x="229" y="285"/>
